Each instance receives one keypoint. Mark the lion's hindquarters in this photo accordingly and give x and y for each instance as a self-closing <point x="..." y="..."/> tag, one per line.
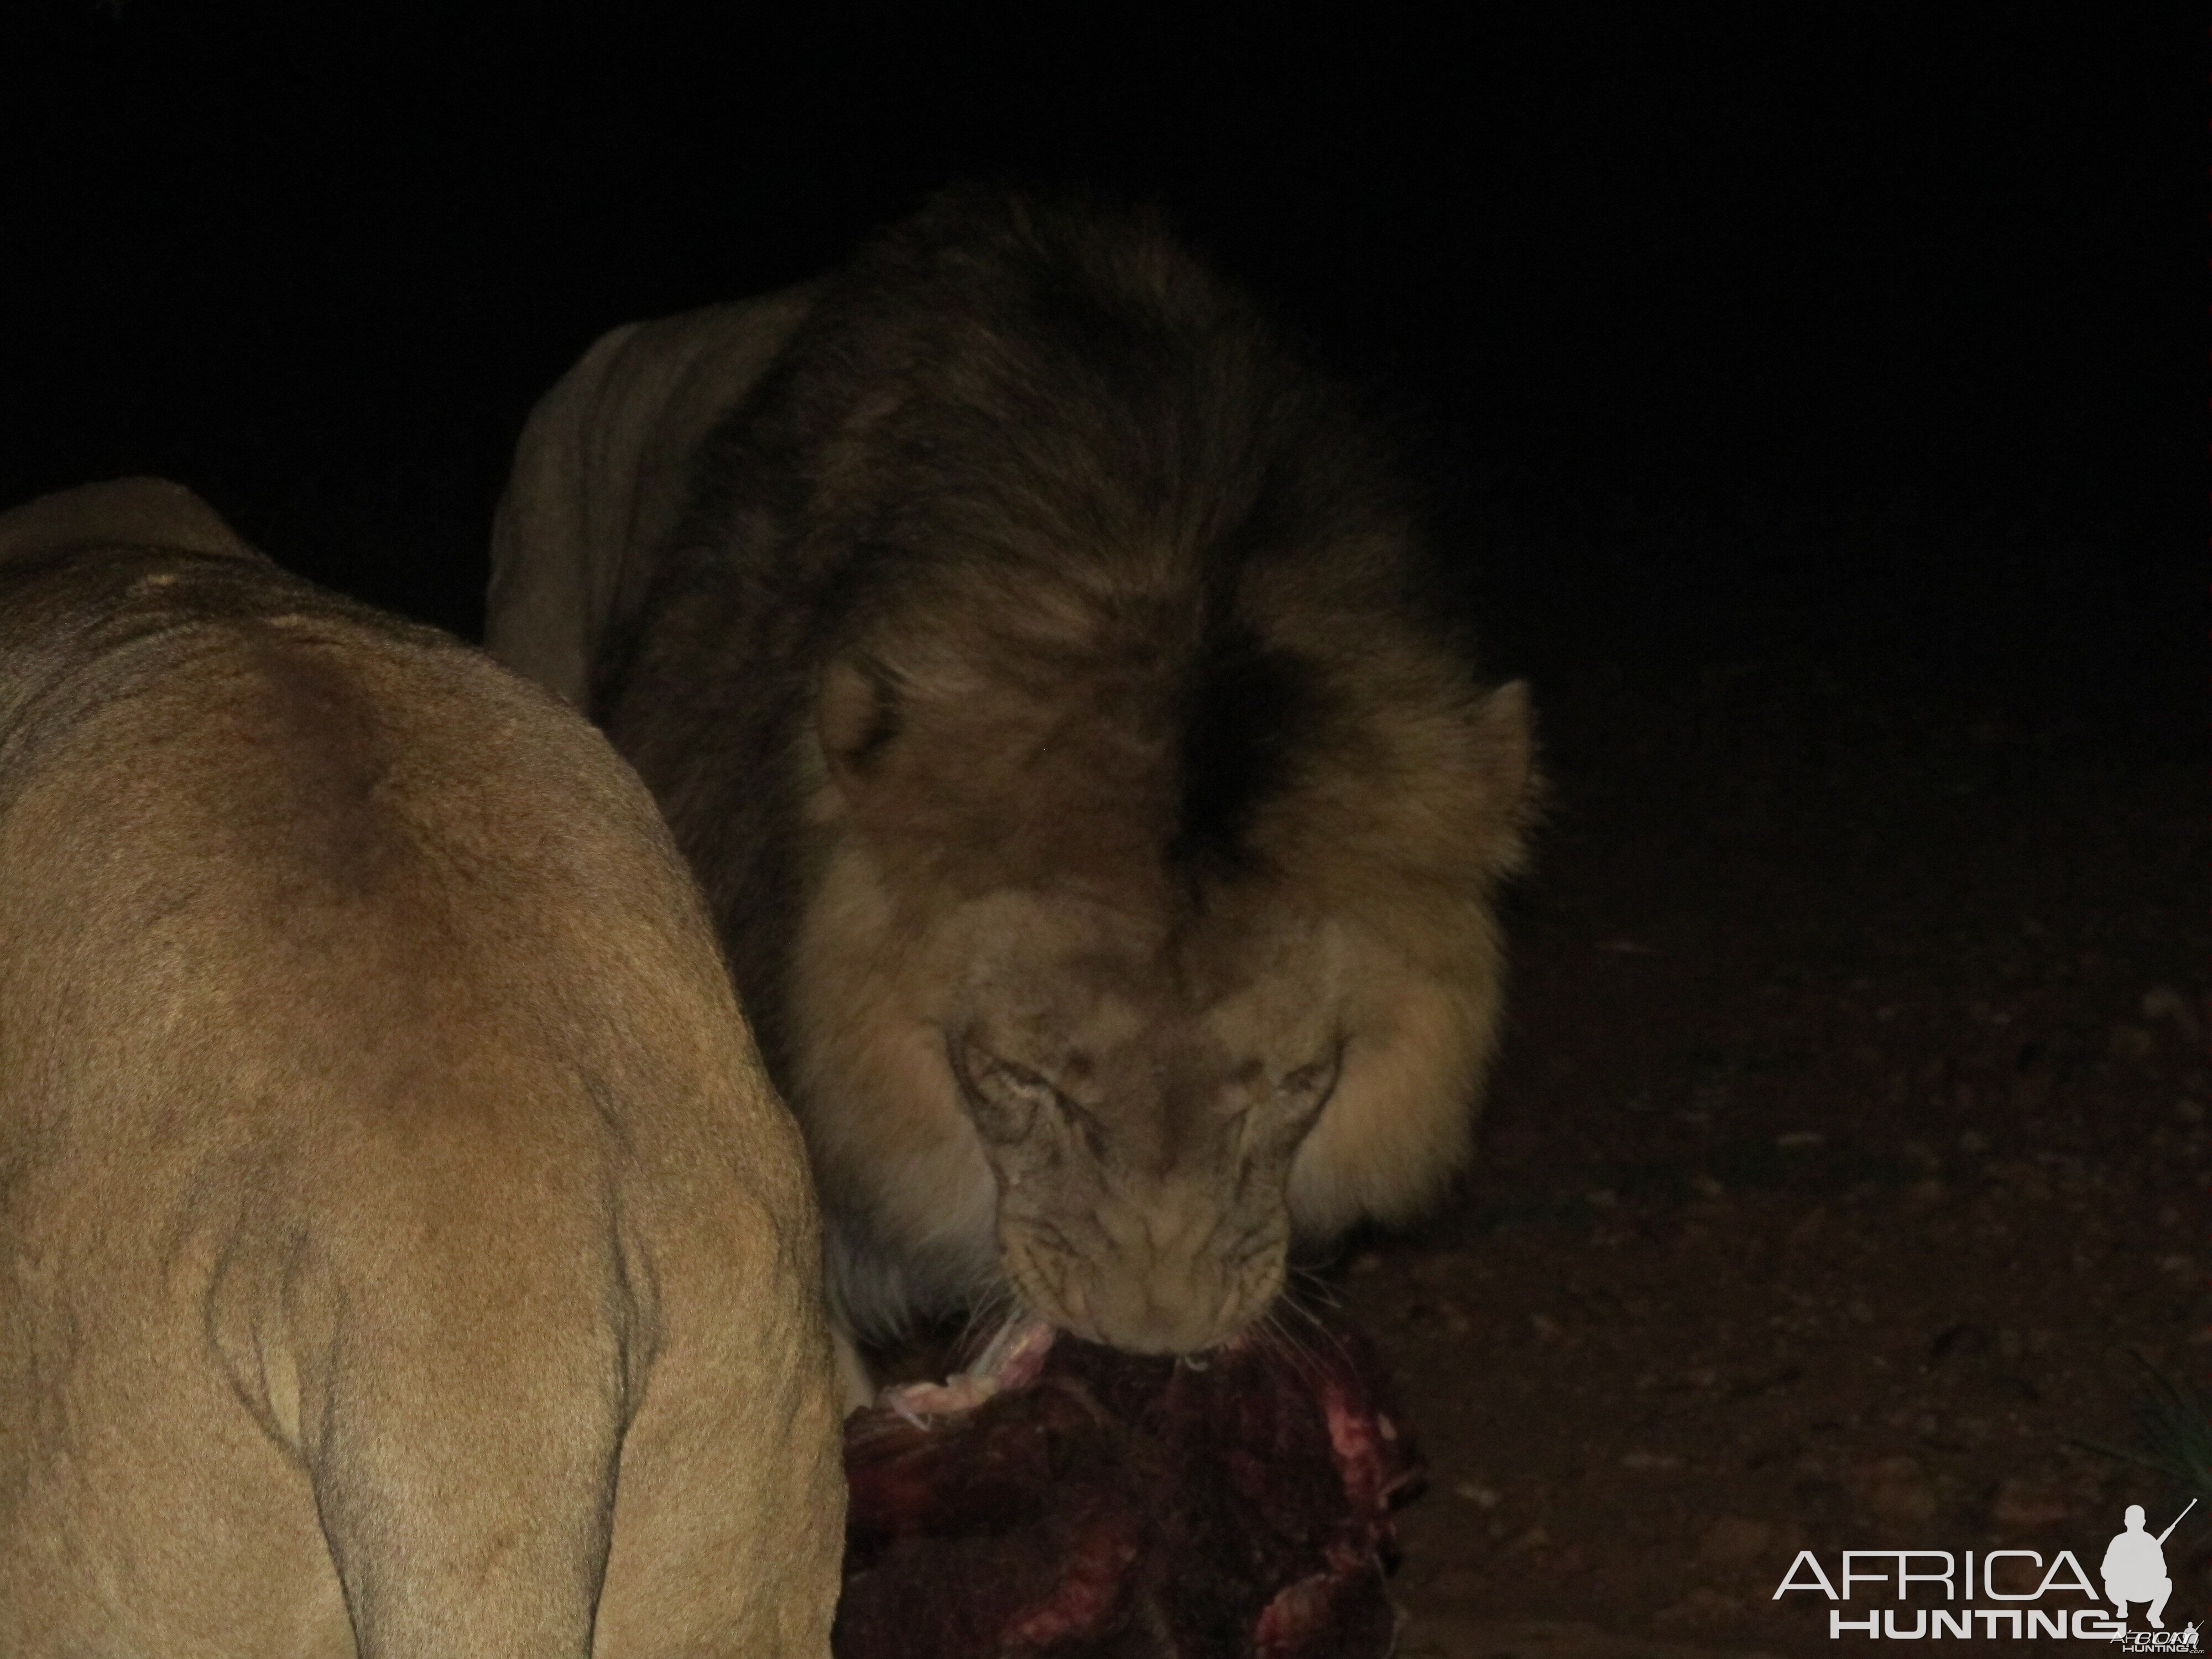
<point x="364" y="1049"/>
<point x="459" y="1340"/>
<point x="544" y="1413"/>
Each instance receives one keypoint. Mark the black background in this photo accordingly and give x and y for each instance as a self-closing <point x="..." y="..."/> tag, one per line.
<point x="1711" y="325"/>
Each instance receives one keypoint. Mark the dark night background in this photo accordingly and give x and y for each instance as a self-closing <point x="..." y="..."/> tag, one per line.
<point x="1708" y="323"/>
<point x="1814" y="400"/>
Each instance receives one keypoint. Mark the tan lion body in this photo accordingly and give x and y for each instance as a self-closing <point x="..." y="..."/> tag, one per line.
<point x="401" y="1252"/>
<point x="1032" y="658"/>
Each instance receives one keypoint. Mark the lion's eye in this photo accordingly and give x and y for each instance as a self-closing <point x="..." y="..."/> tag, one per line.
<point x="1004" y="1098"/>
<point x="1309" y="1087"/>
<point x="1037" y="1095"/>
<point x="1018" y="1076"/>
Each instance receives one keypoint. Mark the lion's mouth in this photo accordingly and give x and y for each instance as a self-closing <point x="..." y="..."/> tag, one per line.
<point x="1167" y="1308"/>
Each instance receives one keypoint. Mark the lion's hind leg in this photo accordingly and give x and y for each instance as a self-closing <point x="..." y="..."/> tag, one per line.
<point x="450" y="1370"/>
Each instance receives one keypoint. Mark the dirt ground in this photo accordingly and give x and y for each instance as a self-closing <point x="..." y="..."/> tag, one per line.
<point x="1849" y="1135"/>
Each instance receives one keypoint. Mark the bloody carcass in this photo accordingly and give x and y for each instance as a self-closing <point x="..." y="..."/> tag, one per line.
<point x="1063" y="1499"/>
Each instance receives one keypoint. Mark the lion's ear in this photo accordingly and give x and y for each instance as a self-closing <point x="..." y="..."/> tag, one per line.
<point x="1505" y="744"/>
<point x="1505" y="730"/>
<point x="856" y="717"/>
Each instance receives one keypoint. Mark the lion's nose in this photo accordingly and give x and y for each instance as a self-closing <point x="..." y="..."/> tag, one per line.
<point x="1178" y="1301"/>
<point x="1171" y="1222"/>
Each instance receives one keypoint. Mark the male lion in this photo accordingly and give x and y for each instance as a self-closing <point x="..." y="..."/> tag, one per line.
<point x="400" y="1250"/>
<point x="1032" y="657"/>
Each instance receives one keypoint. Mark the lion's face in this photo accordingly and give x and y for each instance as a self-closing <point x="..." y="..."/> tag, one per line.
<point x="1141" y="1098"/>
<point x="1032" y="1048"/>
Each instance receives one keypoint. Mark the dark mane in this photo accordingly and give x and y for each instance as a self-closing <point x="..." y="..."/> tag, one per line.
<point x="1245" y="712"/>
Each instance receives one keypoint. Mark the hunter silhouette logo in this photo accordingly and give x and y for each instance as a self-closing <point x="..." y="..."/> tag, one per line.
<point x="2134" y="1566"/>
